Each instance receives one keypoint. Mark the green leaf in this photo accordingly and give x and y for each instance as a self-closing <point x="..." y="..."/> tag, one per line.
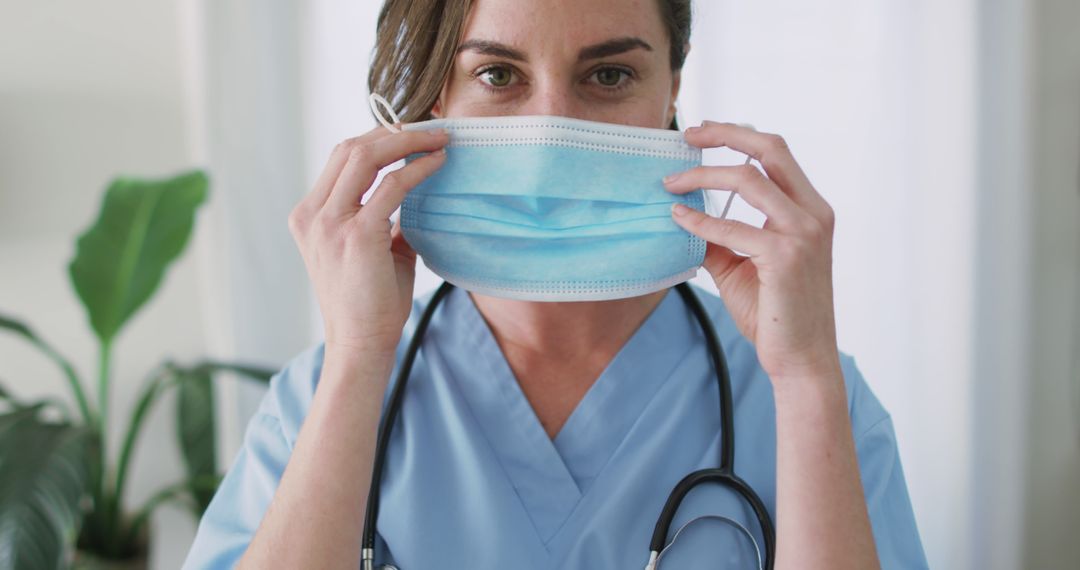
<point x="9" y="398"/>
<point x="142" y="227"/>
<point x="43" y="476"/>
<point x="15" y="404"/>
<point x="195" y="426"/>
<point x="69" y="370"/>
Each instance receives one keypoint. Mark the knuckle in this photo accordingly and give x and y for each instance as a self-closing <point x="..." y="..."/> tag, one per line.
<point x="812" y="228"/>
<point x="828" y="217"/>
<point x="351" y="142"/>
<point x="747" y="173"/>
<point x="342" y="147"/>
<point x="789" y="250"/>
<point x="359" y="153"/>
<point x="372" y="224"/>
<point x="723" y="228"/>
<point x="775" y="143"/>
<point x="322" y="226"/>
<point x="392" y="180"/>
<point x="296" y="220"/>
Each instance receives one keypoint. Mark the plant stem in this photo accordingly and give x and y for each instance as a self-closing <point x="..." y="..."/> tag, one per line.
<point x="158" y="382"/>
<point x="103" y="397"/>
<point x="102" y="500"/>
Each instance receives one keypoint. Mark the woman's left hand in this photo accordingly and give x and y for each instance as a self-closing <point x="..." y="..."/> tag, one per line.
<point x="781" y="296"/>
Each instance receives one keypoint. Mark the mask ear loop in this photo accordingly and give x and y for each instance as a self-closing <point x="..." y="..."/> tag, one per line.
<point x="376" y="101"/>
<point x="731" y="195"/>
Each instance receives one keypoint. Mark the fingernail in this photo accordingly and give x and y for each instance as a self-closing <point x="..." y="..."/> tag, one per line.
<point x="441" y="151"/>
<point x="437" y="132"/>
<point x="671" y="178"/>
<point x="680" y="209"/>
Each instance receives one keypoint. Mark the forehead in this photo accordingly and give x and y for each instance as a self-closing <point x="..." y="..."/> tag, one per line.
<point x="546" y="25"/>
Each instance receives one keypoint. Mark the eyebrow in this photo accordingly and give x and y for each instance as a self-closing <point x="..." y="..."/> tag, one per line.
<point x="603" y="49"/>
<point x="613" y="47"/>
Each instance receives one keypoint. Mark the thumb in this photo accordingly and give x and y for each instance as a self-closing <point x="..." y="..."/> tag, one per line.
<point x="720" y="261"/>
<point x="399" y="246"/>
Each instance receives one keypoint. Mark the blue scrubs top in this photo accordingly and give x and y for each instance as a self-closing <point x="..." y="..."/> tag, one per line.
<point x="472" y="479"/>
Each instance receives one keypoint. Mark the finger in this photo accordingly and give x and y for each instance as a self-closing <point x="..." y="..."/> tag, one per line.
<point x="770" y="150"/>
<point x="395" y="185"/>
<point x="365" y="160"/>
<point x="732" y="234"/>
<point x="325" y="182"/>
<point x="720" y="262"/>
<point x="399" y="246"/>
<point x="748" y="182"/>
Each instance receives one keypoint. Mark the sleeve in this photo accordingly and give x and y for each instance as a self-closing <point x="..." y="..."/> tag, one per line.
<point x="895" y="532"/>
<point x="234" y="514"/>
<point x="237" y="508"/>
<point x="892" y="518"/>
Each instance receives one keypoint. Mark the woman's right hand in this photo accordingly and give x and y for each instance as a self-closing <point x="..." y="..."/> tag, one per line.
<point x="362" y="269"/>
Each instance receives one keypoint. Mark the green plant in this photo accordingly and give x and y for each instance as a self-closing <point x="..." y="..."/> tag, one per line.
<point x="59" y="485"/>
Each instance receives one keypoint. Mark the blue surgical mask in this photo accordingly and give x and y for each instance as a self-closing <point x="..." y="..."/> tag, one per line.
<point x="546" y="208"/>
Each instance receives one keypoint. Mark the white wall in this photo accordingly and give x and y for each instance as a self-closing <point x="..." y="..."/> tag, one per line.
<point x="877" y="103"/>
<point x="89" y="90"/>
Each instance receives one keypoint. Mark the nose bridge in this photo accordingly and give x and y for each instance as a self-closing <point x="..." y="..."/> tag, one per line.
<point x="551" y="95"/>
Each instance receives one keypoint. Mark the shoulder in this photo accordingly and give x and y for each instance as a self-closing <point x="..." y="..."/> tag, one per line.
<point x="865" y="409"/>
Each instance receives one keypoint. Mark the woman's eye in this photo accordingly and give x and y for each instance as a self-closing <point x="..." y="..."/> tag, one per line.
<point x="497" y="76"/>
<point x="609" y="77"/>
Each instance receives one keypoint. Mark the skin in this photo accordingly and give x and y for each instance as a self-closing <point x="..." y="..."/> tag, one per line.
<point x="557" y="350"/>
<point x="780" y="293"/>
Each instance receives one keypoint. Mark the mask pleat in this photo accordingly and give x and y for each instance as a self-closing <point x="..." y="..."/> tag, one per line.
<point x="551" y="208"/>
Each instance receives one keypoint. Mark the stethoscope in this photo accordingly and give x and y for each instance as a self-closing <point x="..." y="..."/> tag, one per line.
<point x="724" y="474"/>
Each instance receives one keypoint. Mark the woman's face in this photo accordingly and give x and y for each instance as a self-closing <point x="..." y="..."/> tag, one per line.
<point x="601" y="60"/>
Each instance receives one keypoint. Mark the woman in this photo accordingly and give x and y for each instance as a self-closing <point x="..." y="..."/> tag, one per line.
<point x="548" y="435"/>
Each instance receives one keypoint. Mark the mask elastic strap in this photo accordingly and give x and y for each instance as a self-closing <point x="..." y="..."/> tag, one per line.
<point x="376" y="101"/>
<point x="731" y="195"/>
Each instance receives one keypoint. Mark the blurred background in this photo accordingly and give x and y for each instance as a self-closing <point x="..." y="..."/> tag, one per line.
<point x="945" y="134"/>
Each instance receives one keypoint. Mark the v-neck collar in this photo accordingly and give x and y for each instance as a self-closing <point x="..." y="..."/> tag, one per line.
<point x="551" y="476"/>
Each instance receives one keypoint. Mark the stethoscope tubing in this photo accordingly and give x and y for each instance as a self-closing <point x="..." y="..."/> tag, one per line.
<point x="724" y="475"/>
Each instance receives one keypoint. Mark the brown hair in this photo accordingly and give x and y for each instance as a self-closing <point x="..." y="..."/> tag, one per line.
<point x="416" y="41"/>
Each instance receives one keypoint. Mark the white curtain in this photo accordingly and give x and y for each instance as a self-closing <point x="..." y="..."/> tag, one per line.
<point x="876" y="101"/>
<point x="243" y="73"/>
